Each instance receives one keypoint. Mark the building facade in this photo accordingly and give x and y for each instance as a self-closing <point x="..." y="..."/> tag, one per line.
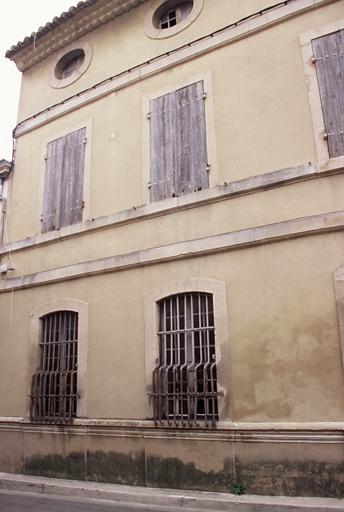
<point x="172" y="286"/>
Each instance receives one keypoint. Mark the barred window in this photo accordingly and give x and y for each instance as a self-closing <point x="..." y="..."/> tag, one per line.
<point x="54" y="385"/>
<point x="185" y="377"/>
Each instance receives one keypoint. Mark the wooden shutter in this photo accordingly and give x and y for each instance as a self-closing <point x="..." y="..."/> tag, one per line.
<point x="329" y="60"/>
<point x="64" y="181"/>
<point x="178" y="150"/>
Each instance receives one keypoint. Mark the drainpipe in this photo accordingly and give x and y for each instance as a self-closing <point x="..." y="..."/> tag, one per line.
<point x="5" y="169"/>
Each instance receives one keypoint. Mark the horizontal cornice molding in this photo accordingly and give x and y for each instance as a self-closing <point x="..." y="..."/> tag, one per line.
<point x="306" y="433"/>
<point x="65" y="29"/>
<point x="215" y="194"/>
<point x="251" y="24"/>
<point x="291" y="229"/>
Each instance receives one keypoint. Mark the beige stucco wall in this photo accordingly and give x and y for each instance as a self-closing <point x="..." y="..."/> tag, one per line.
<point x="283" y="337"/>
<point x="297" y="200"/>
<point x="259" y="114"/>
<point x="258" y="120"/>
<point x="280" y="431"/>
<point x="119" y="49"/>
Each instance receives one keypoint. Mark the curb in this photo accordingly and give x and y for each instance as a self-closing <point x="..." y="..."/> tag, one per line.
<point x="183" y="500"/>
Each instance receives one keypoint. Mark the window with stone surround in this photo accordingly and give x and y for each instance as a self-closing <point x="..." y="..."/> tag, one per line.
<point x="58" y="386"/>
<point x="323" y="58"/>
<point x="166" y="18"/>
<point x="54" y="390"/>
<point x="187" y="366"/>
<point x="185" y="377"/>
<point x="328" y="59"/>
<point x="70" y="64"/>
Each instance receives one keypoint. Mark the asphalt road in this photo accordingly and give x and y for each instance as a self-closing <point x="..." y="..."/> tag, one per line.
<point x="13" y="501"/>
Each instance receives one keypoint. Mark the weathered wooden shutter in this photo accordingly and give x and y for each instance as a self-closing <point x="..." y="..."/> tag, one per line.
<point x="329" y="60"/>
<point x="64" y="181"/>
<point x="178" y="150"/>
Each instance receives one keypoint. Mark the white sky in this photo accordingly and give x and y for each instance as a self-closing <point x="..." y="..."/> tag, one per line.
<point x="19" y="18"/>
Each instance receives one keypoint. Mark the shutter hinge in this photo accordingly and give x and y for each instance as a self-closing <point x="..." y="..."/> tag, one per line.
<point x="315" y="59"/>
<point x="204" y="95"/>
<point x="45" y="157"/>
<point x="148" y="115"/>
<point x="149" y="185"/>
<point x="207" y="168"/>
<point x="85" y="140"/>
<point x="83" y="204"/>
<point x="5" y="268"/>
<point x="325" y="136"/>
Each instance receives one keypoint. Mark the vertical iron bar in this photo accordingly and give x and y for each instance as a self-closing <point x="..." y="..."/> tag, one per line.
<point x="75" y="359"/>
<point x="208" y="362"/>
<point x="211" y="354"/>
<point x="173" y="363"/>
<point x="70" y="339"/>
<point x="60" y="374"/>
<point x="183" y="369"/>
<point x="67" y="392"/>
<point x="170" y="400"/>
<point x="43" y="398"/>
<point x="48" y="388"/>
<point x="44" y="366"/>
<point x="162" y="397"/>
<point x="192" y="366"/>
<point x="179" y="398"/>
<point x="202" y="359"/>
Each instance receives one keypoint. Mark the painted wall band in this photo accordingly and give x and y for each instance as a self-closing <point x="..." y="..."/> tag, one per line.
<point x="296" y="228"/>
<point x="207" y="196"/>
<point x="236" y="432"/>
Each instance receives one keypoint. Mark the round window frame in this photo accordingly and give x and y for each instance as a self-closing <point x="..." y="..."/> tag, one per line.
<point x="59" y="83"/>
<point x="158" y="33"/>
<point x="66" y="60"/>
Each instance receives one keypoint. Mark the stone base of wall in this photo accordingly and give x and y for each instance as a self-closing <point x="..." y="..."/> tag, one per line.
<point x="295" y="463"/>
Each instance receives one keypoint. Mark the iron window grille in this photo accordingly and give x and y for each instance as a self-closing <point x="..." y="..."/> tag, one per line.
<point x="54" y="385"/>
<point x="185" y="377"/>
<point x="176" y="15"/>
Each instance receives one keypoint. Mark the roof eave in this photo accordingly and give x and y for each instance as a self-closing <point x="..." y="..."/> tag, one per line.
<point x="67" y="28"/>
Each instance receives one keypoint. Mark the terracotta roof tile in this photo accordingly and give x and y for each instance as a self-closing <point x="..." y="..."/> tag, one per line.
<point x="57" y="20"/>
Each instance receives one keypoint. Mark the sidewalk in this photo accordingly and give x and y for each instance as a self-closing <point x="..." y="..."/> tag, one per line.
<point x="183" y="500"/>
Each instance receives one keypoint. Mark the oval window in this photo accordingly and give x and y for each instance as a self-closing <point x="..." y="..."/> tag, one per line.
<point x="170" y="14"/>
<point x="69" y="64"/>
<point x="166" y="18"/>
